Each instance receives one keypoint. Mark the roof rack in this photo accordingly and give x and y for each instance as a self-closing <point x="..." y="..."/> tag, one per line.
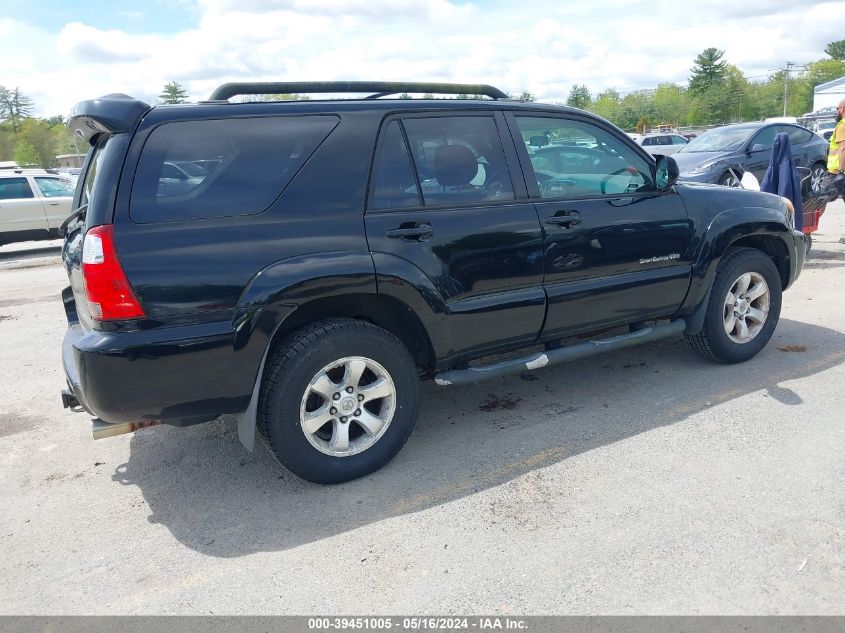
<point x="378" y="88"/>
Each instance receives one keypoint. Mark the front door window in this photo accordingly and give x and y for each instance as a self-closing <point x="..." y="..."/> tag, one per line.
<point x="578" y="159"/>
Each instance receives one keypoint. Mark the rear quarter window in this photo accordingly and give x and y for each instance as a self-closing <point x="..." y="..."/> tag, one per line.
<point x="223" y="167"/>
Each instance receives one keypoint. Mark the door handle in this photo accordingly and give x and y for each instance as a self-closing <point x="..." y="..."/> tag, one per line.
<point x="53" y="204"/>
<point x="563" y="218"/>
<point x="412" y="232"/>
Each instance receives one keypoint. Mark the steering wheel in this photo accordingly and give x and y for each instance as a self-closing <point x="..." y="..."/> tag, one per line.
<point x="630" y="170"/>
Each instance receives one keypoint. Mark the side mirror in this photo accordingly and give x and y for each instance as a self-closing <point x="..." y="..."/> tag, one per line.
<point x="758" y="147"/>
<point x="667" y="172"/>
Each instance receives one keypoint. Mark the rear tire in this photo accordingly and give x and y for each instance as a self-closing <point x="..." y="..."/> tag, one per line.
<point x="743" y="309"/>
<point x="339" y="400"/>
<point x="817" y="175"/>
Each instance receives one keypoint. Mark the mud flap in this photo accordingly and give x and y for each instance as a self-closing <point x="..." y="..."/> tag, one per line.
<point x="248" y="420"/>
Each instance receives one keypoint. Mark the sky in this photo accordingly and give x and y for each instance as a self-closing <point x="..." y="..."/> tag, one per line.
<point x="62" y="51"/>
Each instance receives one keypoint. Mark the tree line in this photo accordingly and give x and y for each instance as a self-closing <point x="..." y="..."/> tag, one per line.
<point x="30" y="141"/>
<point x="717" y="92"/>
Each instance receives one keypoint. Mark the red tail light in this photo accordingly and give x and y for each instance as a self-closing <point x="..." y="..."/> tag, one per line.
<point x="109" y="294"/>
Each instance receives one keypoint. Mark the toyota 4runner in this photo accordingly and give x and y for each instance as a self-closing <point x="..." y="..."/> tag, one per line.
<point x="301" y="265"/>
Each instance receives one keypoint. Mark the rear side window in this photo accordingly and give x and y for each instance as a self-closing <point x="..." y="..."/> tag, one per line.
<point x="224" y="167"/>
<point x="14" y="189"/>
<point x="459" y="160"/>
<point x="395" y="186"/>
<point x="797" y="135"/>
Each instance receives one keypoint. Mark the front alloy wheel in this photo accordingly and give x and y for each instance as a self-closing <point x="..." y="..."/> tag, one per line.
<point x="746" y="307"/>
<point x="743" y="308"/>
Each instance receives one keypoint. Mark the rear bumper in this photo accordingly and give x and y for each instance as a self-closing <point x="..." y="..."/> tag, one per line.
<point x="178" y="375"/>
<point x="73" y="335"/>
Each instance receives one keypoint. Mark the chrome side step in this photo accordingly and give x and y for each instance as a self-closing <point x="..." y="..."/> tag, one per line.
<point x="560" y="355"/>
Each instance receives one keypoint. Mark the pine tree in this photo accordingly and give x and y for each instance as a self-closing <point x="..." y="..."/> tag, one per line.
<point x="836" y="50"/>
<point x="173" y="93"/>
<point x="709" y="71"/>
<point x="579" y="97"/>
<point x="14" y="107"/>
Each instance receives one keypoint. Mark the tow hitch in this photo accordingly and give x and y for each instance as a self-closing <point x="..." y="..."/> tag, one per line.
<point x="69" y="401"/>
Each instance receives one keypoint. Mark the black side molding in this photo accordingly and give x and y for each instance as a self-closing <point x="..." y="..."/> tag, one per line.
<point x="560" y="355"/>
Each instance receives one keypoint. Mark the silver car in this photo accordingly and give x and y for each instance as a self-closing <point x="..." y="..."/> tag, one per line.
<point x="33" y="204"/>
<point x="664" y="144"/>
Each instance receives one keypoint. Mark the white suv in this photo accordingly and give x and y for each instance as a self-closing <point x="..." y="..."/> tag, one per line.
<point x="33" y="204"/>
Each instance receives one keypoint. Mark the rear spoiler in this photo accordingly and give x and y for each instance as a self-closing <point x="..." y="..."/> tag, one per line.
<point x="112" y="113"/>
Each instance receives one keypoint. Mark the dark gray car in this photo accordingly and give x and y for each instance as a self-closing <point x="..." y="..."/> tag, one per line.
<point x="722" y="154"/>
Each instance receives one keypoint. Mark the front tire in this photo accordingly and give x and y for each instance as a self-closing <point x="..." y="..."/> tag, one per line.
<point x="743" y="309"/>
<point x="339" y="400"/>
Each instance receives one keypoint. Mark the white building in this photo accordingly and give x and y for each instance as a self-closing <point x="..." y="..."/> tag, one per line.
<point x="829" y="94"/>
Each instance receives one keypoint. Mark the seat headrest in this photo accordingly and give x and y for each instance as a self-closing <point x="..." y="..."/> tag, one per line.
<point x="454" y="165"/>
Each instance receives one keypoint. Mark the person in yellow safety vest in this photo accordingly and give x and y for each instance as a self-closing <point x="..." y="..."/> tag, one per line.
<point x="836" y="152"/>
<point x="836" y="155"/>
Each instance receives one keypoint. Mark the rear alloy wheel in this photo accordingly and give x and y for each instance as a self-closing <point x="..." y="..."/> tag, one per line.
<point x="339" y="400"/>
<point x="743" y="309"/>
<point x="817" y="173"/>
<point x="347" y="406"/>
<point x="730" y="180"/>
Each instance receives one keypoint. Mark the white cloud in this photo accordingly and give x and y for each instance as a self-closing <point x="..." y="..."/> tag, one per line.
<point x="533" y="45"/>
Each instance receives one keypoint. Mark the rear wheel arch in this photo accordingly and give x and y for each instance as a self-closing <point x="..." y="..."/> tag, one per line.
<point x="386" y="312"/>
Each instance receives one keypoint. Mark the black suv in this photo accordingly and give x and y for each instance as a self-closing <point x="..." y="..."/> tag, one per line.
<point x="300" y="265"/>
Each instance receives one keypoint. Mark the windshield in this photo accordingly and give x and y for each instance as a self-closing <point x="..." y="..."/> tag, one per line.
<point x="719" y="140"/>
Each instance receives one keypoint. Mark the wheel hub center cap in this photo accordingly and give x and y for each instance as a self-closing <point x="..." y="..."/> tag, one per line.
<point x="348" y="405"/>
<point x="743" y="307"/>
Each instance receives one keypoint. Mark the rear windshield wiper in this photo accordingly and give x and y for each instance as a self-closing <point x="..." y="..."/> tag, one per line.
<point x="79" y="212"/>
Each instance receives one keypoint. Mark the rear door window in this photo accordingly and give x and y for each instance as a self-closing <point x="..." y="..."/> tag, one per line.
<point x="216" y="168"/>
<point x="54" y="187"/>
<point x="15" y="189"/>
<point x="459" y="160"/>
<point x="796" y="134"/>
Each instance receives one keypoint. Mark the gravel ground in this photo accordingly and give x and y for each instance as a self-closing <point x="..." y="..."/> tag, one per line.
<point x="644" y="481"/>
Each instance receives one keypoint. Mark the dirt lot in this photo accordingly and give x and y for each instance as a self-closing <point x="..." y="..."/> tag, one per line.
<point x="645" y="481"/>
